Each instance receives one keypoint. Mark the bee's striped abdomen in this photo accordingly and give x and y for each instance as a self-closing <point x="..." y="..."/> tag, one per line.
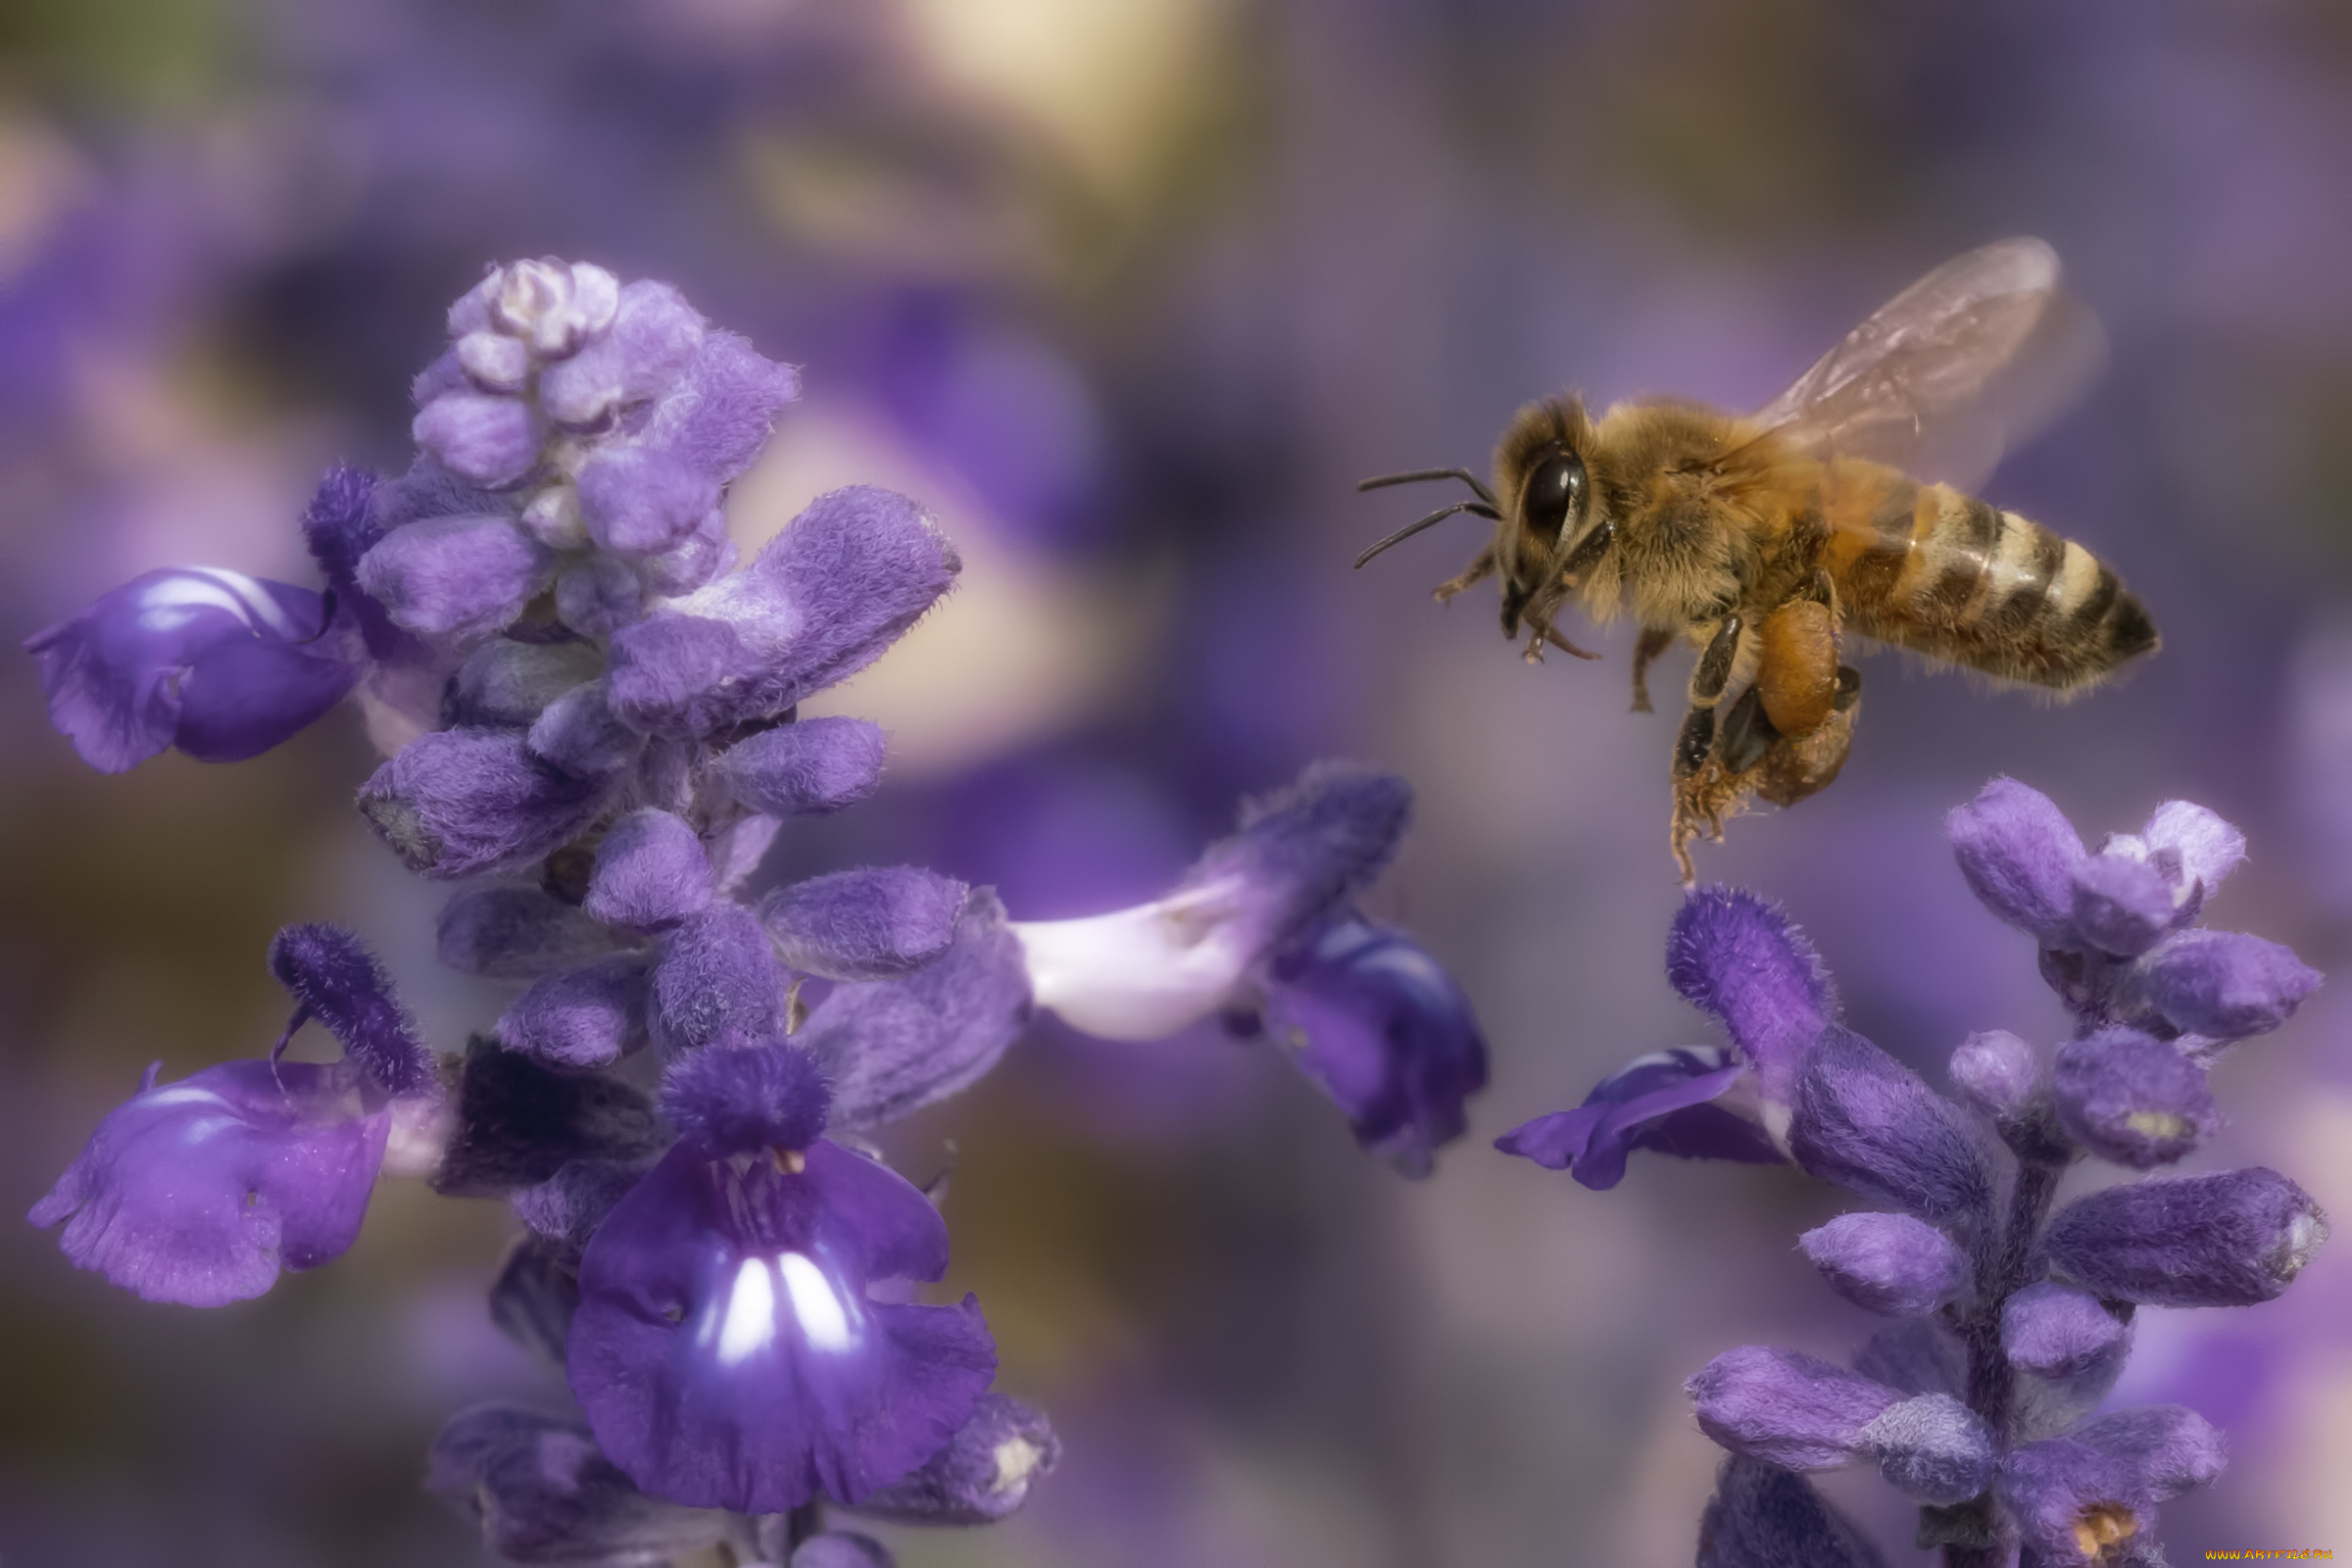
<point x="1927" y="568"/>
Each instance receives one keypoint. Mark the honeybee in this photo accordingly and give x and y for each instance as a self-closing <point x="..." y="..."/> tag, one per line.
<point x="1762" y="539"/>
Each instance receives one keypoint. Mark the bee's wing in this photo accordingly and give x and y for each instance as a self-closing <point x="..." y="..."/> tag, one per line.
<point x="1975" y="355"/>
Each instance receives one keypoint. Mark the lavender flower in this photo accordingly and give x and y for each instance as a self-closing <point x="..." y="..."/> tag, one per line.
<point x="2013" y="1325"/>
<point x="1263" y="931"/>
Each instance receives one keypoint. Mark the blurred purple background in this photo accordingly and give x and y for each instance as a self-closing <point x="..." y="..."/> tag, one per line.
<point x="1131" y="292"/>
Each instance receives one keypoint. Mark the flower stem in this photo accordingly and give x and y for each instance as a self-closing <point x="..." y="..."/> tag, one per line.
<point x="2004" y="1265"/>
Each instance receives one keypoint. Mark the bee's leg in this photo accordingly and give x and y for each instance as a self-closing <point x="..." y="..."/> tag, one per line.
<point x="1804" y="765"/>
<point x="1702" y="792"/>
<point x="1713" y="671"/>
<point x="1799" y="674"/>
<point x="1746" y="733"/>
<point x="1655" y="640"/>
<point x="1479" y="571"/>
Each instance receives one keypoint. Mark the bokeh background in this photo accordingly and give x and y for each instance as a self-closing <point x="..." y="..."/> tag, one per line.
<point x="1131" y="292"/>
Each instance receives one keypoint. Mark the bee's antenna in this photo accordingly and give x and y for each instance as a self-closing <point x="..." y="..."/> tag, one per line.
<point x="1477" y="484"/>
<point x="1480" y="508"/>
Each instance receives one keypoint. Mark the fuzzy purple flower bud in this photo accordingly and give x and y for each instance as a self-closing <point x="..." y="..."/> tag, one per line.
<point x="649" y="873"/>
<point x="2225" y="985"/>
<point x="2072" y="1502"/>
<point x="2055" y="1331"/>
<point x="217" y="664"/>
<point x="726" y="406"/>
<point x="1785" y="1407"/>
<point x="2132" y="1099"/>
<point x="599" y="596"/>
<point x="488" y="438"/>
<point x="1998" y="1073"/>
<point x="454" y="580"/>
<point x="1933" y="1448"/>
<point x="2173" y="1448"/>
<point x="2231" y="1239"/>
<point x="2121" y="905"/>
<point x="1890" y="1263"/>
<point x="2018" y="855"/>
<point x="590" y="1016"/>
<point x="639" y="501"/>
<point x="1868" y="1123"/>
<point x="507" y="684"/>
<point x="460" y="802"/>
<point x="1763" y="1516"/>
<point x="1739" y="957"/>
<point x="338" y="981"/>
<point x="746" y="1098"/>
<point x="803" y="769"/>
<point x="983" y="1474"/>
<point x="890" y="1047"/>
<point x="652" y="340"/>
<point x="580" y="735"/>
<point x="873" y="923"/>
<point x="716" y="974"/>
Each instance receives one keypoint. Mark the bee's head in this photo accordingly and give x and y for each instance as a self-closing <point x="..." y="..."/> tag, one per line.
<point x="1547" y="532"/>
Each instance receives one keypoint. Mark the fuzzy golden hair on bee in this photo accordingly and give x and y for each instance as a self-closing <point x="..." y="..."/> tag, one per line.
<point x="1762" y="540"/>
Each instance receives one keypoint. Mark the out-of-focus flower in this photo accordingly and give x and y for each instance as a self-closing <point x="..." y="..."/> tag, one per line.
<point x="200" y="1190"/>
<point x="1263" y="931"/>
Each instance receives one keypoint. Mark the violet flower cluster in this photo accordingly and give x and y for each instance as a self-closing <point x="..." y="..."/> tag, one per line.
<point x="592" y="723"/>
<point x="2010" y="1324"/>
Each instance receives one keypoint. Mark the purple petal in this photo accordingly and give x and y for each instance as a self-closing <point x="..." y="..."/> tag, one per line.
<point x="1934" y="1449"/>
<point x="892" y="1047"/>
<point x="717" y="975"/>
<point x="2209" y="849"/>
<point x="515" y="934"/>
<point x="200" y="1190"/>
<point x="982" y="1475"/>
<point x="2231" y="1239"/>
<point x="1308" y="849"/>
<point x="2131" y="1099"/>
<point x="542" y="1493"/>
<point x="338" y="982"/>
<point x="727" y="407"/>
<point x="1763" y="1516"/>
<point x="1868" y="1123"/>
<point x="873" y="923"/>
<point x="803" y="769"/>
<point x="222" y="665"/>
<point x="2120" y="905"/>
<point x="2018" y="854"/>
<point x="491" y="440"/>
<point x="821" y="601"/>
<point x="1890" y="1263"/>
<point x="519" y="1124"/>
<point x="453" y="579"/>
<point x="578" y="1019"/>
<point x="1661" y="1101"/>
<point x="460" y="802"/>
<point x="725" y="1351"/>
<point x="1382" y="1029"/>
<point x="1738" y="957"/>
<point x="2224" y="985"/>
<point x="650" y="872"/>
<point x="1785" y="1407"/>
<point x="638" y="501"/>
<point x="746" y="1099"/>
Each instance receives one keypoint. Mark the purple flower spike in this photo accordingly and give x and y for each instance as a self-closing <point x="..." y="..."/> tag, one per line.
<point x="586" y="1017"/>
<point x="2226" y="1240"/>
<point x="1300" y="857"/>
<point x="542" y="1493"/>
<point x="819" y="603"/>
<point x="717" y="975"/>
<point x="2131" y="1099"/>
<point x="1381" y="1027"/>
<point x="1890" y="1263"/>
<point x="2018" y="855"/>
<point x="454" y="580"/>
<point x="200" y="1190"/>
<point x="1738" y="957"/>
<point x="649" y="873"/>
<point x="804" y="770"/>
<point x="2221" y="983"/>
<point x="874" y="923"/>
<point x="1763" y="1516"/>
<point x="983" y="1474"/>
<point x="338" y="982"/>
<point x="515" y="934"/>
<point x="726" y="1354"/>
<point x="217" y="664"/>
<point x="892" y="1047"/>
<point x="842" y="1549"/>
<point x="1662" y="1102"/>
<point x="1785" y="1407"/>
<point x="460" y="802"/>
<point x="489" y="439"/>
<point x="1934" y="1448"/>
<point x="1868" y="1123"/>
<point x="743" y="1100"/>
<point x="2055" y="1331"/>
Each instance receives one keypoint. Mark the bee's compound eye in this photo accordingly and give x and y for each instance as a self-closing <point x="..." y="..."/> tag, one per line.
<point x="1554" y="488"/>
